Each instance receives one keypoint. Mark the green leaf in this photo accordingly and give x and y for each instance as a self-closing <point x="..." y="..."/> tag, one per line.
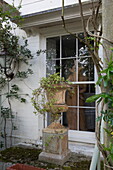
<point x="15" y="87"/>
<point x="112" y="157"/>
<point x="108" y="74"/>
<point x="112" y="150"/>
<point x="93" y="98"/>
<point x="107" y="131"/>
<point x="104" y="71"/>
<point x="23" y="100"/>
<point x="105" y="83"/>
<point x="100" y="79"/>
<point x="98" y="118"/>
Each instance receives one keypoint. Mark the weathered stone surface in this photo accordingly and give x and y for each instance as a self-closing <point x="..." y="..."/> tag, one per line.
<point x="55" y="125"/>
<point x="56" y="128"/>
<point x="55" y="144"/>
<point x="54" y="158"/>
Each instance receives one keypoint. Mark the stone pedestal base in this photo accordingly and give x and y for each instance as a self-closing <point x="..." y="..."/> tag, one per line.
<point x="54" y="158"/>
<point x="55" y="144"/>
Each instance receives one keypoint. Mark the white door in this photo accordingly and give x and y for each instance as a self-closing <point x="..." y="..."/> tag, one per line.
<point x="70" y="57"/>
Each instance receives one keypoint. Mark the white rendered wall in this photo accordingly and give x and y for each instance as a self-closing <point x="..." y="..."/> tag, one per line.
<point x="33" y="6"/>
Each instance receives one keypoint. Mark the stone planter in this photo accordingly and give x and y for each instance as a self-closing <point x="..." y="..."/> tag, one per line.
<point x="23" y="167"/>
<point x="57" y="93"/>
<point x="55" y="144"/>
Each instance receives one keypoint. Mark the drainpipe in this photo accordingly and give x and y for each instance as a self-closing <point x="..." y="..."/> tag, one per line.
<point x="95" y="162"/>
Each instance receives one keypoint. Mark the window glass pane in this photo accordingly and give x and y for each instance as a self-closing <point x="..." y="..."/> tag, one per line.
<point x="53" y="48"/>
<point x="82" y="48"/>
<point x="70" y="119"/>
<point x="85" y="69"/>
<point x="85" y="91"/>
<point x="81" y="69"/>
<point x="71" y="114"/>
<point x="82" y="119"/>
<point x="53" y="52"/>
<point x="86" y="115"/>
<point x="68" y="67"/>
<point x="76" y="98"/>
<point x="87" y="119"/>
<point x="68" y="46"/>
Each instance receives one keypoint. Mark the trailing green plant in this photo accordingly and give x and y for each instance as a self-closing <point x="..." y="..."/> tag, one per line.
<point x="43" y="97"/>
<point x="105" y="80"/>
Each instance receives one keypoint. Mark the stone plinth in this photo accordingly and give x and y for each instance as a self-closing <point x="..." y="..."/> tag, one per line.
<point x="55" y="144"/>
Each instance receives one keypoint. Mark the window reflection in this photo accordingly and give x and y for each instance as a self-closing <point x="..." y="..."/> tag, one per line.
<point x="86" y="63"/>
<point x="67" y="65"/>
<point x="82" y="48"/>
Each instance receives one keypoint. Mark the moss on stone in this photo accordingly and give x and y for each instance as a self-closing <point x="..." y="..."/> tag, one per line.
<point x="30" y="156"/>
<point x="19" y="154"/>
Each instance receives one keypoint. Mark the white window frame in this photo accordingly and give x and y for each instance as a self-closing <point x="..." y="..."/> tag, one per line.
<point x="77" y="135"/>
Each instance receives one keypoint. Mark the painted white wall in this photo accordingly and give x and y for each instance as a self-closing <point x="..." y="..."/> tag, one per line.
<point x="33" y="6"/>
<point x="29" y="125"/>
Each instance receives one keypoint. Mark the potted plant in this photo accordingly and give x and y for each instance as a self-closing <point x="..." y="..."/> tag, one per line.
<point x="50" y="96"/>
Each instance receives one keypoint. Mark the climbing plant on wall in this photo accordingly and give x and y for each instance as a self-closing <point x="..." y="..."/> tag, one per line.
<point x="12" y="57"/>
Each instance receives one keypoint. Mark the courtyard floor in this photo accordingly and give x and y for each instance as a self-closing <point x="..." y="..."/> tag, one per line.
<point x="29" y="155"/>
